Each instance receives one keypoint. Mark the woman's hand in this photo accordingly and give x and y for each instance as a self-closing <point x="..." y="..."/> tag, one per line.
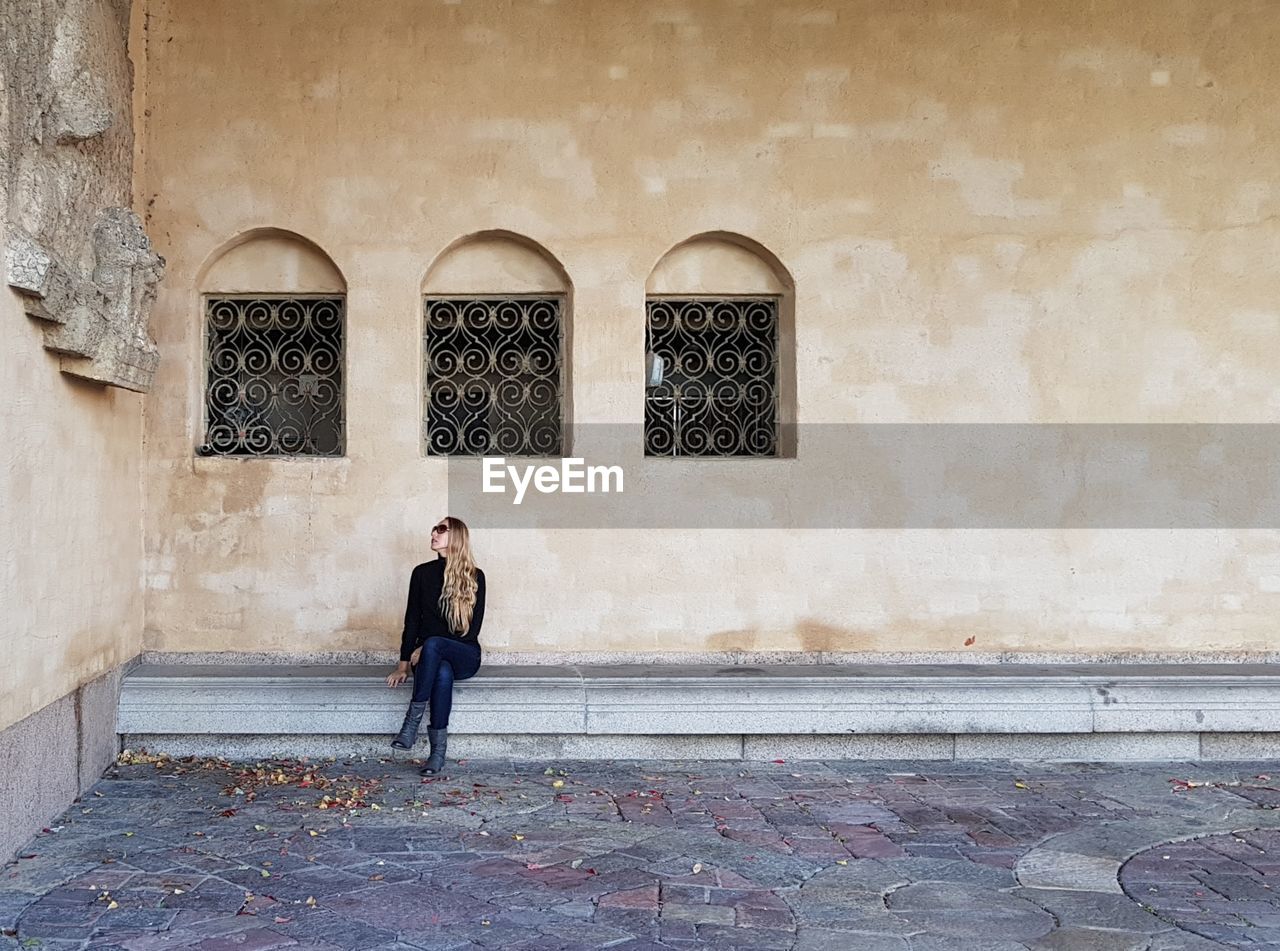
<point x="415" y="656"/>
<point x="399" y="675"/>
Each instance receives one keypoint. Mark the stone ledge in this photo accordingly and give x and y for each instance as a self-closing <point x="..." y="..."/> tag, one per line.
<point x="635" y="700"/>
<point x="503" y="656"/>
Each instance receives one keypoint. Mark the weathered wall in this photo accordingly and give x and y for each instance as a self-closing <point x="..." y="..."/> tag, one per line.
<point x="70" y="482"/>
<point x="991" y="211"/>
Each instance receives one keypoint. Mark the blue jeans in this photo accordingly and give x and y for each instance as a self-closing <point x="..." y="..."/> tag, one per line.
<point x="442" y="662"/>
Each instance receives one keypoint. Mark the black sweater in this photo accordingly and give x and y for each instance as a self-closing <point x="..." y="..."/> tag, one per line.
<point x="422" y="617"/>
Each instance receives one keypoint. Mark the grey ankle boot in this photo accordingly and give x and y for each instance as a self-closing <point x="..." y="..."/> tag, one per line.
<point x="439" y="743"/>
<point x="408" y="734"/>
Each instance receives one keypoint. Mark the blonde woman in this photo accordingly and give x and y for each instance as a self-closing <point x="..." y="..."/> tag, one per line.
<point x="441" y="636"/>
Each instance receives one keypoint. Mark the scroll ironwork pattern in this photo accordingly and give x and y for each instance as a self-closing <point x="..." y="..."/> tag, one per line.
<point x="719" y="391"/>
<point x="493" y="376"/>
<point x="274" y="384"/>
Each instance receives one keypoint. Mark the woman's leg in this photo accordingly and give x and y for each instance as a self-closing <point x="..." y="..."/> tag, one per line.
<point x="424" y="675"/>
<point x="441" y="697"/>
<point x="443" y="661"/>
<point x="464" y="659"/>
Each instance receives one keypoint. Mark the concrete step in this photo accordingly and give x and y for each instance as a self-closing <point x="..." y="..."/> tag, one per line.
<point x="927" y="707"/>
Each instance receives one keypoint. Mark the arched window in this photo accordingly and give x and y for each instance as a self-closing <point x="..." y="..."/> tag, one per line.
<point x="718" y="314"/>
<point x="275" y="360"/>
<point x="494" y="339"/>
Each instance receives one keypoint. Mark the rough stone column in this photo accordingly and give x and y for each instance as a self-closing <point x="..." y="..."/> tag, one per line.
<point x="75" y="250"/>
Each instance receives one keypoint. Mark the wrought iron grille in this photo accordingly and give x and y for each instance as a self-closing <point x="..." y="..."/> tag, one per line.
<point x="719" y="393"/>
<point x="274" y="384"/>
<point x="493" y="376"/>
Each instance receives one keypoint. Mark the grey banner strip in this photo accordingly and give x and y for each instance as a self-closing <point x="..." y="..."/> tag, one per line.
<point x="895" y="476"/>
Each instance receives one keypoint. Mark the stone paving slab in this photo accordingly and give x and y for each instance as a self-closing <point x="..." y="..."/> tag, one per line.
<point x="801" y="856"/>
<point x="1221" y="887"/>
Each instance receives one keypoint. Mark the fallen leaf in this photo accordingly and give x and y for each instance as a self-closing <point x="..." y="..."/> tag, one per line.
<point x="114" y="904"/>
<point x="697" y="867"/>
<point x="557" y="783"/>
<point x="575" y="863"/>
<point x="311" y="901"/>
<point x="518" y="837"/>
<point x="1019" y="784"/>
<point x="970" y="641"/>
<point x="280" y="920"/>
<point x="376" y="878"/>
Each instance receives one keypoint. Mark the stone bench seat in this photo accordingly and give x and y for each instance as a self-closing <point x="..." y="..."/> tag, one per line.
<point x="1092" y="711"/>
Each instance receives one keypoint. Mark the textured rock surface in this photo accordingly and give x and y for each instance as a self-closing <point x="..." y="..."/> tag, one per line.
<point x="75" y="251"/>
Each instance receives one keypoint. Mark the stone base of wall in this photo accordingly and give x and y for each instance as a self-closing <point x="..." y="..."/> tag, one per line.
<point x="1037" y="747"/>
<point x="54" y="755"/>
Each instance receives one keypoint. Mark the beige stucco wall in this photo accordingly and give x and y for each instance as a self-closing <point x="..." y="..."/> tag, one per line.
<point x="991" y="211"/>
<point x="71" y="518"/>
<point x="70" y="483"/>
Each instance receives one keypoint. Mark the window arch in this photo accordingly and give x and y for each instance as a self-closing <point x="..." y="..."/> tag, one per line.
<point x="495" y="335"/>
<point x="719" y="312"/>
<point x="274" y="309"/>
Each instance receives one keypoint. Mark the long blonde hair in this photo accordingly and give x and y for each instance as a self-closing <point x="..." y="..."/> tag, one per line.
<point x="458" y="598"/>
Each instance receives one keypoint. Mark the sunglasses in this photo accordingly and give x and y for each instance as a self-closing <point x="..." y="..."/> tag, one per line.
<point x="439" y="529"/>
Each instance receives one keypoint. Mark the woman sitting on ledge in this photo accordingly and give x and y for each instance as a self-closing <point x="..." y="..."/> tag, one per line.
<point x="441" y="636"/>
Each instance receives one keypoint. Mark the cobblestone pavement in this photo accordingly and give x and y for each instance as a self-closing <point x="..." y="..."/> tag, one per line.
<point x="632" y="855"/>
<point x="1221" y="886"/>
